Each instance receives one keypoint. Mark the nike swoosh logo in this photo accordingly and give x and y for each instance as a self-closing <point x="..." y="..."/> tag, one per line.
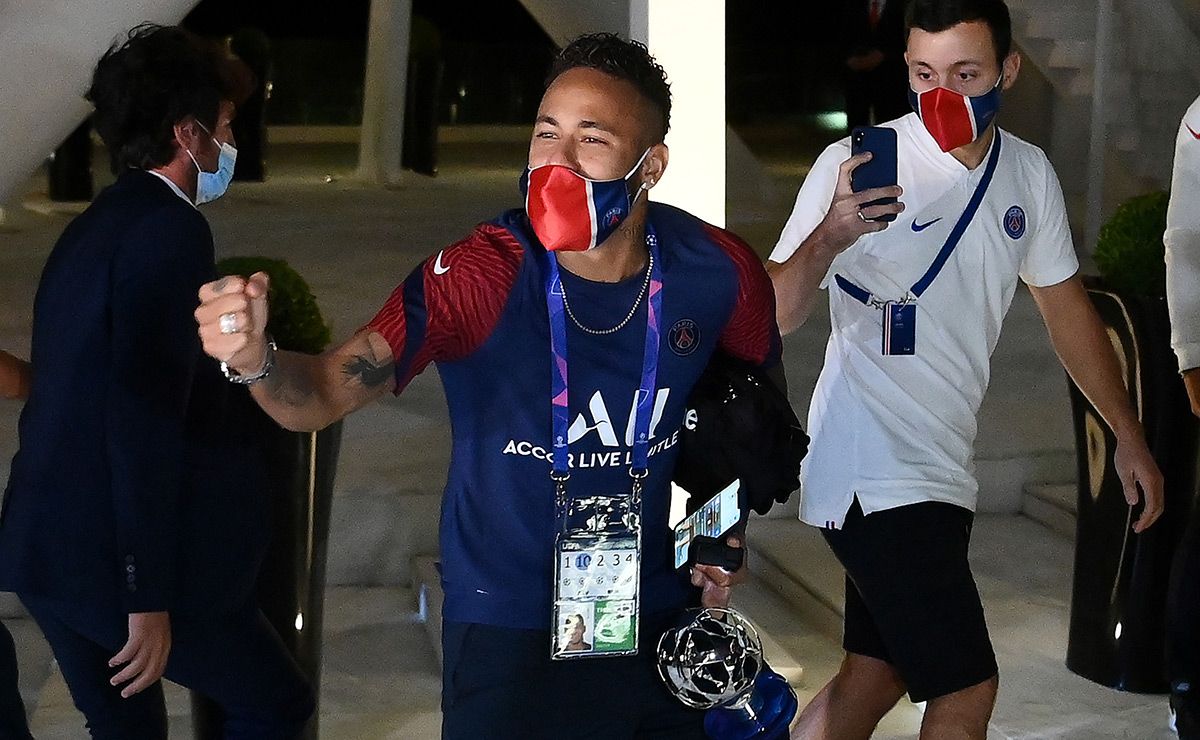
<point x="921" y="227"/>
<point x="1193" y="133"/>
<point x="438" y="267"/>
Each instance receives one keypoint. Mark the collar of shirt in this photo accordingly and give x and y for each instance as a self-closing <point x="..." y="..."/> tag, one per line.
<point x="173" y="186"/>
<point x="933" y="154"/>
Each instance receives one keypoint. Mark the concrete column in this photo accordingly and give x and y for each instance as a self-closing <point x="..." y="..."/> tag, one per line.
<point x="688" y="38"/>
<point x="1098" y="149"/>
<point x="48" y="50"/>
<point x="384" y="91"/>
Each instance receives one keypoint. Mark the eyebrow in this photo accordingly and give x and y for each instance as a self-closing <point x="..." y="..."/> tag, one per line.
<point x="959" y="63"/>
<point x="582" y="124"/>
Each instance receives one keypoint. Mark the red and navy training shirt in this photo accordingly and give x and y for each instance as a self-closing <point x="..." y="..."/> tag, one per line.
<point x="478" y="310"/>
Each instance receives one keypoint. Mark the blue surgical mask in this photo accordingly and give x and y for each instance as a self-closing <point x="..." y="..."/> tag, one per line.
<point x="212" y="185"/>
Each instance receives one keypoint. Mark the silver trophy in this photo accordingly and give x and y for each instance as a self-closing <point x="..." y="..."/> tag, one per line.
<point x="715" y="662"/>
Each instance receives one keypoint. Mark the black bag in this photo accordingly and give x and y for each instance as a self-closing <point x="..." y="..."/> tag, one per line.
<point x="740" y="426"/>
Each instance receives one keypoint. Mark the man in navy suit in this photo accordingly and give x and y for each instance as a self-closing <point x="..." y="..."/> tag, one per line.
<point x="14" y="385"/>
<point x="876" y="81"/>
<point x="133" y="525"/>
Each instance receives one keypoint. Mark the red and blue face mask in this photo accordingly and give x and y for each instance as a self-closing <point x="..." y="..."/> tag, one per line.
<point x="954" y="119"/>
<point x="572" y="213"/>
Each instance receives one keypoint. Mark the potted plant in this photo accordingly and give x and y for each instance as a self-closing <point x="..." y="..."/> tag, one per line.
<point x="1118" y="600"/>
<point x="301" y="467"/>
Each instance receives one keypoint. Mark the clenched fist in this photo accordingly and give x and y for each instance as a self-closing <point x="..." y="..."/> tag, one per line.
<point x="233" y="321"/>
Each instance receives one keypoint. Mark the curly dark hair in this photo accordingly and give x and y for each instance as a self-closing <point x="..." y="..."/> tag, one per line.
<point x="935" y="16"/>
<point x="626" y="60"/>
<point x="151" y="80"/>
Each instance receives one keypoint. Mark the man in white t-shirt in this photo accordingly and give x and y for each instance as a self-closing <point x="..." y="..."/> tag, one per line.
<point x="916" y="308"/>
<point x="1182" y="240"/>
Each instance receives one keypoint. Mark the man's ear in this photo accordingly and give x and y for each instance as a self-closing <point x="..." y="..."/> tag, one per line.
<point x="187" y="133"/>
<point x="655" y="165"/>
<point x="1011" y="68"/>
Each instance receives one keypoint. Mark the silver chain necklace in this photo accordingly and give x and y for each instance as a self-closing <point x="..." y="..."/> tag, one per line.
<point x="628" y="317"/>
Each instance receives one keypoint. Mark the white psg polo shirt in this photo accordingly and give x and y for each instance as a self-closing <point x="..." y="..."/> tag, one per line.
<point x="1182" y="240"/>
<point x="898" y="430"/>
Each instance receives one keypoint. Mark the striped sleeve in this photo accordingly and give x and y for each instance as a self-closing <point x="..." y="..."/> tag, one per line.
<point x="751" y="333"/>
<point x="451" y="303"/>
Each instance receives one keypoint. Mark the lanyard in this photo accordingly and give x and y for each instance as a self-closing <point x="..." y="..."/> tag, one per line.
<point x="863" y="296"/>
<point x="558" y="368"/>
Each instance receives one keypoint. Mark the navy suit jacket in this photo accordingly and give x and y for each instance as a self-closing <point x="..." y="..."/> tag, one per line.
<point x="888" y="35"/>
<point x="128" y="491"/>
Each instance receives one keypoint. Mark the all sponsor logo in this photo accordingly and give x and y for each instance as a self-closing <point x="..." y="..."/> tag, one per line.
<point x="598" y="420"/>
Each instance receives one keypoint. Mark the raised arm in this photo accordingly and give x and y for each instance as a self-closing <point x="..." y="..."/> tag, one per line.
<point x="798" y="277"/>
<point x="1083" y="346"/>
<point x="301" y="392"/>
<point x="16" y="377"/>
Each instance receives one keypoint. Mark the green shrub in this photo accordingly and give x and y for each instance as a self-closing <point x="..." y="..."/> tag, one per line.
<point x="1130" y="252"/>
<point x="294" y="319"/>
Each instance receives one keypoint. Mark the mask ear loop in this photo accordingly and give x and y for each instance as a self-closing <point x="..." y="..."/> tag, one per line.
<point x="193" y="156"/>
<point x="644" y="187"/>
<point x="641" y="159"/>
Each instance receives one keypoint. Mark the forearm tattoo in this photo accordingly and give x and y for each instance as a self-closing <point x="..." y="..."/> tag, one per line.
<point x="289" y="385"/>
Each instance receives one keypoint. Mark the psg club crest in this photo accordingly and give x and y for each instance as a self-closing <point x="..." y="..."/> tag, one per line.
<point x="1014" y="222"/>
<point x="684" y="337"/>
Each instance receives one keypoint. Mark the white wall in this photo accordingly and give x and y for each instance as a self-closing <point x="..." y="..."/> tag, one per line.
<point x="687" y="37"/>
<point x="48" y="49"/>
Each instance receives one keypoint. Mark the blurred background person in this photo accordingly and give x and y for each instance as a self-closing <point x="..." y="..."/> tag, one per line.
<point x="1182" y="240"/>
<point x="876" y="75"/>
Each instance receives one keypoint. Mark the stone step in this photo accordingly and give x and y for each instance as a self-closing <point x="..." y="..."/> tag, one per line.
<point x="374" y="534"/>
<point x="1052" y="505"/>
<point x="793" y="562"/>
<point x="11" y="607"/>
<point x="1064" y="22"/>
<point x="1072" y="54"/>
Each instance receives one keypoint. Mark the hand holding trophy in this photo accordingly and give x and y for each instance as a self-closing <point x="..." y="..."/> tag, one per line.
<point x="715" y="662"/>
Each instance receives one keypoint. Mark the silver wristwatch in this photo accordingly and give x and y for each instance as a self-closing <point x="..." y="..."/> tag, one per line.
<point x="268" y="365"/>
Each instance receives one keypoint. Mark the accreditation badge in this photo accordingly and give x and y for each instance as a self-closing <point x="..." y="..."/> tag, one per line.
<point x="597" y="577"/>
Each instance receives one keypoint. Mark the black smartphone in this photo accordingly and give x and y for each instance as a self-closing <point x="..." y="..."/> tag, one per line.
<point x="880" y="172"/>
<point x="714" y="551"/>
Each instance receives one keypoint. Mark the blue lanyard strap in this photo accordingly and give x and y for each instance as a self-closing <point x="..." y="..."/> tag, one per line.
<point x="864" y="296"/>
<point x="559" y="387"/>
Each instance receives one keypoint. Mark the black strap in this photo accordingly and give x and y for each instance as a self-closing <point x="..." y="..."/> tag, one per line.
<point x="864" y="296"/>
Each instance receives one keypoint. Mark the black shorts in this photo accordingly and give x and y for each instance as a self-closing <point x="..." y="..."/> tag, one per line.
<point x="500" y="683"/>
<point x="910" y="597"/>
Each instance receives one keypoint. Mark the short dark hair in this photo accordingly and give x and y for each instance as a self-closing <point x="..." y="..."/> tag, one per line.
<point x="938" y="15"/>
<point x="148" y="82"/>
<point x="626" y="60"/>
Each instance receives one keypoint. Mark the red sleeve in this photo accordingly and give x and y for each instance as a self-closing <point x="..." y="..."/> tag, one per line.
<point x="751" y="333"/>
<point x="451" y="303"/>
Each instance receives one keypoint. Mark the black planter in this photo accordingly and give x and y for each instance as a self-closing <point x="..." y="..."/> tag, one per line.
<point x="1118" y="602"/>
<point x="291" y="581"/>
<point x="250" y="124"/>
<point x="70" y="170"/>
<point x="418" y="150"/>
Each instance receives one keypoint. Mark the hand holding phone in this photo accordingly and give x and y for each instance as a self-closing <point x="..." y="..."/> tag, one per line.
<point x="715" y="551"/>
<point x="880" y="171"/>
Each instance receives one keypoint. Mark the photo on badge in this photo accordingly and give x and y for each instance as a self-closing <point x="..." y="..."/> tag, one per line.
<point x="576" y="628"/>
